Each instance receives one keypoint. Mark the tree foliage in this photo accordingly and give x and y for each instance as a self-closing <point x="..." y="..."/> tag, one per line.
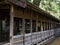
<point x="51" y="6"/>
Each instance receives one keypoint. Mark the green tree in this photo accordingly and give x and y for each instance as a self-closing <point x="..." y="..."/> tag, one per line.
<point x="51" y="6"/>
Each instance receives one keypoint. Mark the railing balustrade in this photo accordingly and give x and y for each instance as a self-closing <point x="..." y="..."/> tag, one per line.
<point x="27" y="39"/>
<point x="33" y="38"/>
<point x="39" y="37"/>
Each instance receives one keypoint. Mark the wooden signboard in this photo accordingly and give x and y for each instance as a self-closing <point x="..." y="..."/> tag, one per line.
<point x="21" y="3"/>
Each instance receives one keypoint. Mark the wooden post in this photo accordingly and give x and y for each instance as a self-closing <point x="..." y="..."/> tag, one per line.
<point x="41" y="30"/>
<point x="36" y="28"/>
<point x="41" y="26"/>
<point x="11" y="25"/>
<point x="31" y="30"/>
<point x="23" y="31"/>
<point x="44" y="25"/>
<point x="49" y="25"/>
<point x="36" y="24"/>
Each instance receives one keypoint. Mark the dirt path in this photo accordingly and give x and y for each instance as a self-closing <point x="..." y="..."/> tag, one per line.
<point x="56" y="41"/>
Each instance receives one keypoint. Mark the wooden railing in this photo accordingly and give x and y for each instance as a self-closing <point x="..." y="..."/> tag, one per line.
<point x="39" y="37"/>
<point x="33" y="38"/>
<point x="27" y="39"/>
<point x="57" y="32"/>
<point x="18" y="39"/>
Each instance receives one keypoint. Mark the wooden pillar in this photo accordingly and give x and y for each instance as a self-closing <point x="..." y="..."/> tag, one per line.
<point x="36" y="24"/>
<point x="44" y="25"/>
<point x="23" y="31"/>
<point x="11" y="24"/>
<point x="36" y="27"/>
<point x="41" y="26"/>
<point x="41" y="30"/>
<point x="49" y="25"/>
<point x="31" y="30"/>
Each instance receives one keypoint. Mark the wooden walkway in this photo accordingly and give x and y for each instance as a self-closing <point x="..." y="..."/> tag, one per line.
<point x="56" y="41"/>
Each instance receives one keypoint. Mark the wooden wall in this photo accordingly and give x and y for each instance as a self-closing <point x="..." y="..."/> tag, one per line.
<point x="27" y="13"/>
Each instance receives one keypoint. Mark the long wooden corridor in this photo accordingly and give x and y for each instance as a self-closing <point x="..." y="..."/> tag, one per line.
<point x="56" y="41"/>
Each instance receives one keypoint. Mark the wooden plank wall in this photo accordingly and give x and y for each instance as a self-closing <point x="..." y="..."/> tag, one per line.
<point x="29" y="14"/>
